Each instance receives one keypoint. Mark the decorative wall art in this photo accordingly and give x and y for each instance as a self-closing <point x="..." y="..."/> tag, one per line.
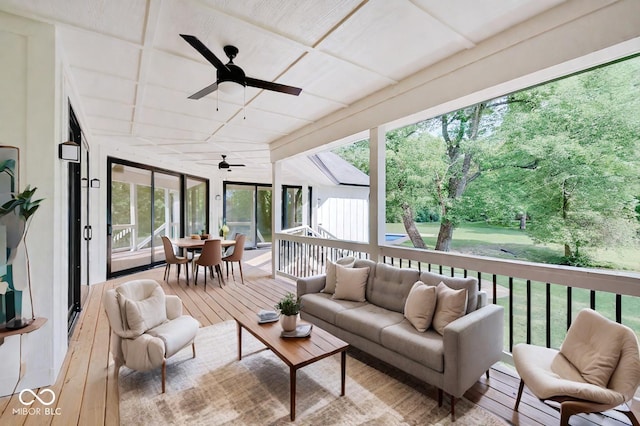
<point x="11" y="231"/>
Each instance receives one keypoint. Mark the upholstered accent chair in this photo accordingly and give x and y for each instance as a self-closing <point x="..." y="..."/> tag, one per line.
<point x="147" y="326"/>
<point x="596" y="369"/>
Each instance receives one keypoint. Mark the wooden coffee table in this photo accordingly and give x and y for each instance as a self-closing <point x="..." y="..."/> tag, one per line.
<point x="295" y="352"/>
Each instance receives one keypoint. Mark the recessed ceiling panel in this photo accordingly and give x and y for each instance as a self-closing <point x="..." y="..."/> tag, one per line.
<point x="100" y="53"/>
<point x="103" y="86"/>
<point x="328" y="77"/>
<point x="172" y="120"/>
<point x="393" y="38"/>
<point x="123" y="19"/>
<point x="306" y="107"/>
<point x="240" y="133"/>
<point x="172" y="100"/>
<point x="480" y="19"/>
<point x="303" y="21"/>
<point x="262" y="119"/>
<point x="107" y="109"/>
<point x="109" y="125"/>
<point x="149" y="131"/>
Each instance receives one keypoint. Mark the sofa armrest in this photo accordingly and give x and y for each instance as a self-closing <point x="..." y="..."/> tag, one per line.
<point x="313" y="284"/>
<point x="174" y="306"/>
<point x="472" y="344"/>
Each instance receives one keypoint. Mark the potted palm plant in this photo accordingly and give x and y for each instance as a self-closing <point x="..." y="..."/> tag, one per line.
<point x="289" y="307"/>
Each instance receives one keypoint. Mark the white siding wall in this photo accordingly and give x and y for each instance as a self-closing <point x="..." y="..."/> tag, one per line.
<point x="343" y="211"/>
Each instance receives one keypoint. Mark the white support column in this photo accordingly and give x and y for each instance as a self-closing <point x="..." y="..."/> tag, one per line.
<point x="377" y="196"/>
<point x="276" y="212"/>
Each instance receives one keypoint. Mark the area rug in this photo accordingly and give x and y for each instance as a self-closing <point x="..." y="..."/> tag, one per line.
<point x="216" y="389"/>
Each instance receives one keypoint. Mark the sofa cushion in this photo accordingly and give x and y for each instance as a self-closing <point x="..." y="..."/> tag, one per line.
<point x="391" y="286"/>
<point x="330" y="280"/>
<point x="323" y="306"/>
<point x="351" y="283"/>
<point x="420" y="306"/>
<point x="470" y="284"/>
<point x="425" y="348"/>
<point x="451" y="305"/>
<point x="367" y="321"/>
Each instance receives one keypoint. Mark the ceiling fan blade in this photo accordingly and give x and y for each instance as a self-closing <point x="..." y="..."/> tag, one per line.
<point x="205" y="91"/>
<point x="236" y="165"/>
<point x="276" y="87"/>
<point x="204" y="51"/>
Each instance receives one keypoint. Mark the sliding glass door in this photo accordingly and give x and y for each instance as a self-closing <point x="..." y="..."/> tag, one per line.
<point x="145" y="204"/>
<point x="248" y="210"/>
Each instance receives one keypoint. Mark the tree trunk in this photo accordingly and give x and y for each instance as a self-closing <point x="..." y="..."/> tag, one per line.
<point x="445" y="235"/>
<point x="410" y="226"/>
<point x="567" y="250"/>
<point x="523" y="221"/>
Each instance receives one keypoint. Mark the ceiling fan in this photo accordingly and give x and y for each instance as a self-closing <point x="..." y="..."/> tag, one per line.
<point x="231" y="72"/>
<point x="224" y="165"/>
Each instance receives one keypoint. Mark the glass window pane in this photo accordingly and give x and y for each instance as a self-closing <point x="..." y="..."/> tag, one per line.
<point x="196" y="208"/>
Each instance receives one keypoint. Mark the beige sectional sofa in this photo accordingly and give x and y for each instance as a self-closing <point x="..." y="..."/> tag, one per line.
<point x="452" y="361"/>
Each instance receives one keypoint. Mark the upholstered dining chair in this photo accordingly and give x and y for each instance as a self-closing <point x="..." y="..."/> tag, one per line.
<point x="236" y="256"/>
<point x="596" y="369"/>
<point x="147" y="326"/>
<point x="172" y="259"/>
<point x="210" y="257"/>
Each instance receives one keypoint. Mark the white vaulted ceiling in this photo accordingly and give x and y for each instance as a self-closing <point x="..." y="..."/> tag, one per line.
<point x="133" y="72"/>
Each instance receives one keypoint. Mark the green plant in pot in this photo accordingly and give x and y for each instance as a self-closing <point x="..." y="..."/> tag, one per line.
<point x="15" y="214"/>
<point x="289" y="307"/>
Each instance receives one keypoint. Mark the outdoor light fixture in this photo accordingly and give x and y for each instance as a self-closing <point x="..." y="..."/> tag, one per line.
<point x="69" y="151"/>
<point x="95" y="183"/>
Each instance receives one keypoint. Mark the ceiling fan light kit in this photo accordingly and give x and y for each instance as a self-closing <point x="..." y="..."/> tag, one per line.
<point x="230" y="78"/>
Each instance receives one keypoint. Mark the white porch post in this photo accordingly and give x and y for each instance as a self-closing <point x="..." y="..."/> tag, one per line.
<point x="377" y="196"/>
<point x="276" y="212"/>
<point x="305" y="206"/>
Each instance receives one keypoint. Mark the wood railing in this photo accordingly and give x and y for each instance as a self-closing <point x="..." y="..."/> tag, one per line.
<point x="540" y="300"/>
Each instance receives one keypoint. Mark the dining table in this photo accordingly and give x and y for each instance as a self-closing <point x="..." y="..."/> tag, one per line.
<point x="192" y="244"/>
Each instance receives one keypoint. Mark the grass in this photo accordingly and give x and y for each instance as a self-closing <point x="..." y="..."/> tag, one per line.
<point x="512" y="243"/>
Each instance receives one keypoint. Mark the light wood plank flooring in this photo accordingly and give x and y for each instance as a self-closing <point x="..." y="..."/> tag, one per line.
<point x="86" y="388"/>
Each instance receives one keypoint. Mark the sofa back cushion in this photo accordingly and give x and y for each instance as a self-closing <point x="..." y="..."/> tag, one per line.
<point x="391" y="286"/>
<point x="366" y="263"/>
<point x="142" y="306"/>
<point x="470" y="284"/>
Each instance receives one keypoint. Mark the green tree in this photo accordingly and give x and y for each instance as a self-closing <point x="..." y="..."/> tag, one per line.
<point x="574" y="145"/>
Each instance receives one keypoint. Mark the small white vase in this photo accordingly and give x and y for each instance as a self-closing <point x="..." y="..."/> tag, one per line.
<point x="288" y="322"/>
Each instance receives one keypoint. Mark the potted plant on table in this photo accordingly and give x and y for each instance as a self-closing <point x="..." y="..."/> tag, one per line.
<point x="289" y="307"/>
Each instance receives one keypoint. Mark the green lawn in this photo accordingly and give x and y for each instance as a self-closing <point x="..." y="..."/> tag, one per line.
<point x="511" y="243"/>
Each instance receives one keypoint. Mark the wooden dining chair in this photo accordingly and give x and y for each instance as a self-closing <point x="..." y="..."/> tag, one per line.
<point x="236" y="256"/>
<point x="210" y="257"/>
<point x="171" y="259"/>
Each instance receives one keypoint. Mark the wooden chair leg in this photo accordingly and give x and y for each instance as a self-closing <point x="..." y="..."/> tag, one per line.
<point x="519" y="395"/>
<point x="453" y="408"/>
<point x="193" y="348"/>
<point x="440" y="392"/>
<point x="167" y="270"/>
<point x="164" y="373"/>
<point x="178" y="273"/>
<point x="241" y="276"/>
<point x="487" y="374"/>
<point x="186" y="270"/>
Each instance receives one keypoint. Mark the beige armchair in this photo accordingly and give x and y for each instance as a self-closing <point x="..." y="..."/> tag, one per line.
<point x="147" y="326"/>
<point x="596" y="369"/>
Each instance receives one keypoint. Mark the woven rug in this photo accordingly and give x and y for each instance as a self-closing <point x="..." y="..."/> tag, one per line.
<point x="216" y="389"/>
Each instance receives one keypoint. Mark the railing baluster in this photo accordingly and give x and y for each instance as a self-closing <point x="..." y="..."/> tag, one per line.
<point x="569" y="304"/>
<point x="619" y="308"/>
<point x="592" y="300"/>
<point x="529" y="311"/>
<point x="548" y="314"/>
<point x="510" y="313"/>
<point x="495" y="289"/>
<point x="452" y="272"/>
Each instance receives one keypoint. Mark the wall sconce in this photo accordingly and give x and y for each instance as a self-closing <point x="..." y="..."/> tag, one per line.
<point x="95" y="183"/>
<point x="218" y="197"/>
<point x="69" y="151"/>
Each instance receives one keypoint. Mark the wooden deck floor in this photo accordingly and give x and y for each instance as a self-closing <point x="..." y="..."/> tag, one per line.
<point x="87" y="393"/>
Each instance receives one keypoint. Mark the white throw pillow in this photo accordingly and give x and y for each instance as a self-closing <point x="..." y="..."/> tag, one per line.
<point x="351" y="283"/>
<point x="451" y="305"/>
<point x="420" y="305"/>
<point x="143" y="315"/>
<point x="330" y="282"/>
